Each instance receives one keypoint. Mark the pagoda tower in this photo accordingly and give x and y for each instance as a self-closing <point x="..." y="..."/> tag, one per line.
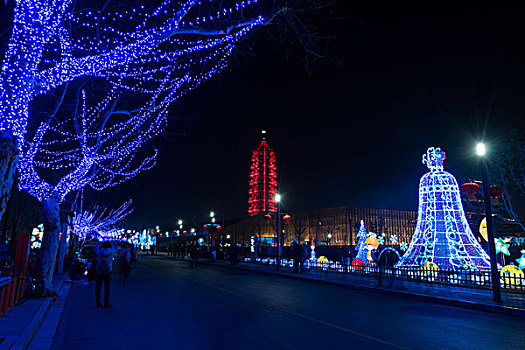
<point x="442" y="234"/>
<point x="263" y="179"/>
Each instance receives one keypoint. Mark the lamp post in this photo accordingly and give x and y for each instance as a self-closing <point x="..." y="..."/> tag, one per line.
<point x="278" y="201"/>
<point x="481" y="151"/>
<point x="180" y="237"/>
<point x="212" y="216"/>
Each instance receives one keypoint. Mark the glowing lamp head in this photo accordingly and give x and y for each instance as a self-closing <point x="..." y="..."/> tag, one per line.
<point x="480" y="149"/>
<point x="180" y="222"/>
<point x="277" y="198"/>
<point x="212" y="214"/>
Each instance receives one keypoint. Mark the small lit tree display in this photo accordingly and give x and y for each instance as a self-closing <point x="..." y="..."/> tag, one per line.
<point x="361" y="242"/>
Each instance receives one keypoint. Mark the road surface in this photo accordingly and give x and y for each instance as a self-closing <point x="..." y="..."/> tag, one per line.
<point x="167" y="305"/>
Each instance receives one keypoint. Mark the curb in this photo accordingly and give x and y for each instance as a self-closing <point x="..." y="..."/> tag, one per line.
<point x="466" y="304"/>
<point x="43" y="338"/>
<point x="24" y="339"/>
<point x="29" y="332"/>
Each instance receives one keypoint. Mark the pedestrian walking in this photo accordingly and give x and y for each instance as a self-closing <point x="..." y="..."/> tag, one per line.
<point x="297" y="256"/>
<point x="125" y="263"/>
<point x="104" y="268"/>
<point x="194" y="256"/>
<point x="304" y="257"/>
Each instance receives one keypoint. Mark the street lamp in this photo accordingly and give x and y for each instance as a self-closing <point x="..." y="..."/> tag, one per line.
<point x="278" y="201"/>
<point x="212" y="225"/>
<point x="329" y="237"/>
<point x="496" y="293"/>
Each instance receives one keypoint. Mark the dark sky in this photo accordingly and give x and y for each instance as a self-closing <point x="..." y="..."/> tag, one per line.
<point x="354" y="133"/>
<point x="408" y="77"/>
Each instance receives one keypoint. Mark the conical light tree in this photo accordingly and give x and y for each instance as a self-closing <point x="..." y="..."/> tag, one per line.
<point x="361" y="243"/>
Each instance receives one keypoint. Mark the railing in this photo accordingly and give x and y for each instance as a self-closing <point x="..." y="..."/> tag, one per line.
<point x="512" y="281"/>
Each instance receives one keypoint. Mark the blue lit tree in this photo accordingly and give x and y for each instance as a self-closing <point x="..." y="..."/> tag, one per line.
<point x="100" y="223"/>
<point x="442" y="234"/>
<point x="147" y="53"/>
<point x="361" y="243"/>
<point x="155" y="48"/>
<point x="79" y="147"/>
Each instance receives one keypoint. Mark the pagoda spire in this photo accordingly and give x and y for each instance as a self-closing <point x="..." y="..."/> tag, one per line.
<point x="263" y="179"/>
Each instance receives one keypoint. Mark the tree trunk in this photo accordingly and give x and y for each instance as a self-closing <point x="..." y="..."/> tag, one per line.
<point x="8" y="164"/>
<point x="48" y="251"/>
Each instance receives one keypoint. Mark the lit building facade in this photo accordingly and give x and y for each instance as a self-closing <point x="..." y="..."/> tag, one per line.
<point x="330" y="226"/>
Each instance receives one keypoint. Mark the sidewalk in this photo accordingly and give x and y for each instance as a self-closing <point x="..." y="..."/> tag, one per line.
<point x="21" y="323"/>
<point x="470" y="298"/>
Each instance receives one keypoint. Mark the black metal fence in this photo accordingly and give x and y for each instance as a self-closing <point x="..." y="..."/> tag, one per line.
<point x="509" y="280"/>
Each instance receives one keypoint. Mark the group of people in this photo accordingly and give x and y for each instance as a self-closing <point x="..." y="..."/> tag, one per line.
<point x="300" y="255"/>
<point x="127" y="255"/>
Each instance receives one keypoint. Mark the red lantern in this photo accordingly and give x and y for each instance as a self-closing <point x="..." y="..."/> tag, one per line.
<point x="287" y="217"/>
<point x="470" y="188"/>
<point x="184" y="232"/>
<point x="205" y="226"/>
<point x="267" y="217"/>
<point x="219" y="227"/>
<point x="496" y="191"/>
<point x="358" y="264"/>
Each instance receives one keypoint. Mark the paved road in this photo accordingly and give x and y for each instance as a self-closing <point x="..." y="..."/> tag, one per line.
<point x="166" y="305"/>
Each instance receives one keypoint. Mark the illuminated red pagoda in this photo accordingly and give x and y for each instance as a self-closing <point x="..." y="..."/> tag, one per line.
<point x="263" y="180"/>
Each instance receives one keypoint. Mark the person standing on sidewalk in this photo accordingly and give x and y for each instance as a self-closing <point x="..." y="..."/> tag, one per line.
<point x="104" y="268"/>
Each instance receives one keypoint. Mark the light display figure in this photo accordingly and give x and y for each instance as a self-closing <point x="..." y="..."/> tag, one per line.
<point x="263" y="180"/>
<point x="313" y="258"/>
<point x="361" y="243"/>
<point x="442" y="234"/>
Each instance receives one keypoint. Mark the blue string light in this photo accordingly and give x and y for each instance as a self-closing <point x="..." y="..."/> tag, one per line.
<point x="158" y="50"/>
<point x="99" y="223"/>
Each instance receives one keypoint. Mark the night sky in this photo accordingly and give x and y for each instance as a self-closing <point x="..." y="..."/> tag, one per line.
<point x="399" y="79"/>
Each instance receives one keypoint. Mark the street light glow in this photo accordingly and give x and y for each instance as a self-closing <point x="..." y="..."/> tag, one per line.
<point x="480" y="149"/>
<point x="277" y="197"/>
<point x="212" y="214"/>
<point x="180" y="222"/>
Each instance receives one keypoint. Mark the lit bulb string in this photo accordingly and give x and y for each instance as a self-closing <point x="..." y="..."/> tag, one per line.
<point x="89" y="168"/>
<point x="33" y="24"/>
<point x="123" y="54"/>
<point x="70" y="135"/>
<point x="177" y="83"/>
<point x="100" y="223"/>
<point x="31" y="46"/>
<point x="77" y="179"/>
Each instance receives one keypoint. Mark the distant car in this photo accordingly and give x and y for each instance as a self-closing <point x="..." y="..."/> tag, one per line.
<point x="87" y="253"/>
<point x="86" y="259"/>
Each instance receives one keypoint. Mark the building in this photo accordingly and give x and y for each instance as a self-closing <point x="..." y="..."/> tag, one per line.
<point x="330" y="226"/>
<point x="263" y="180"/>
